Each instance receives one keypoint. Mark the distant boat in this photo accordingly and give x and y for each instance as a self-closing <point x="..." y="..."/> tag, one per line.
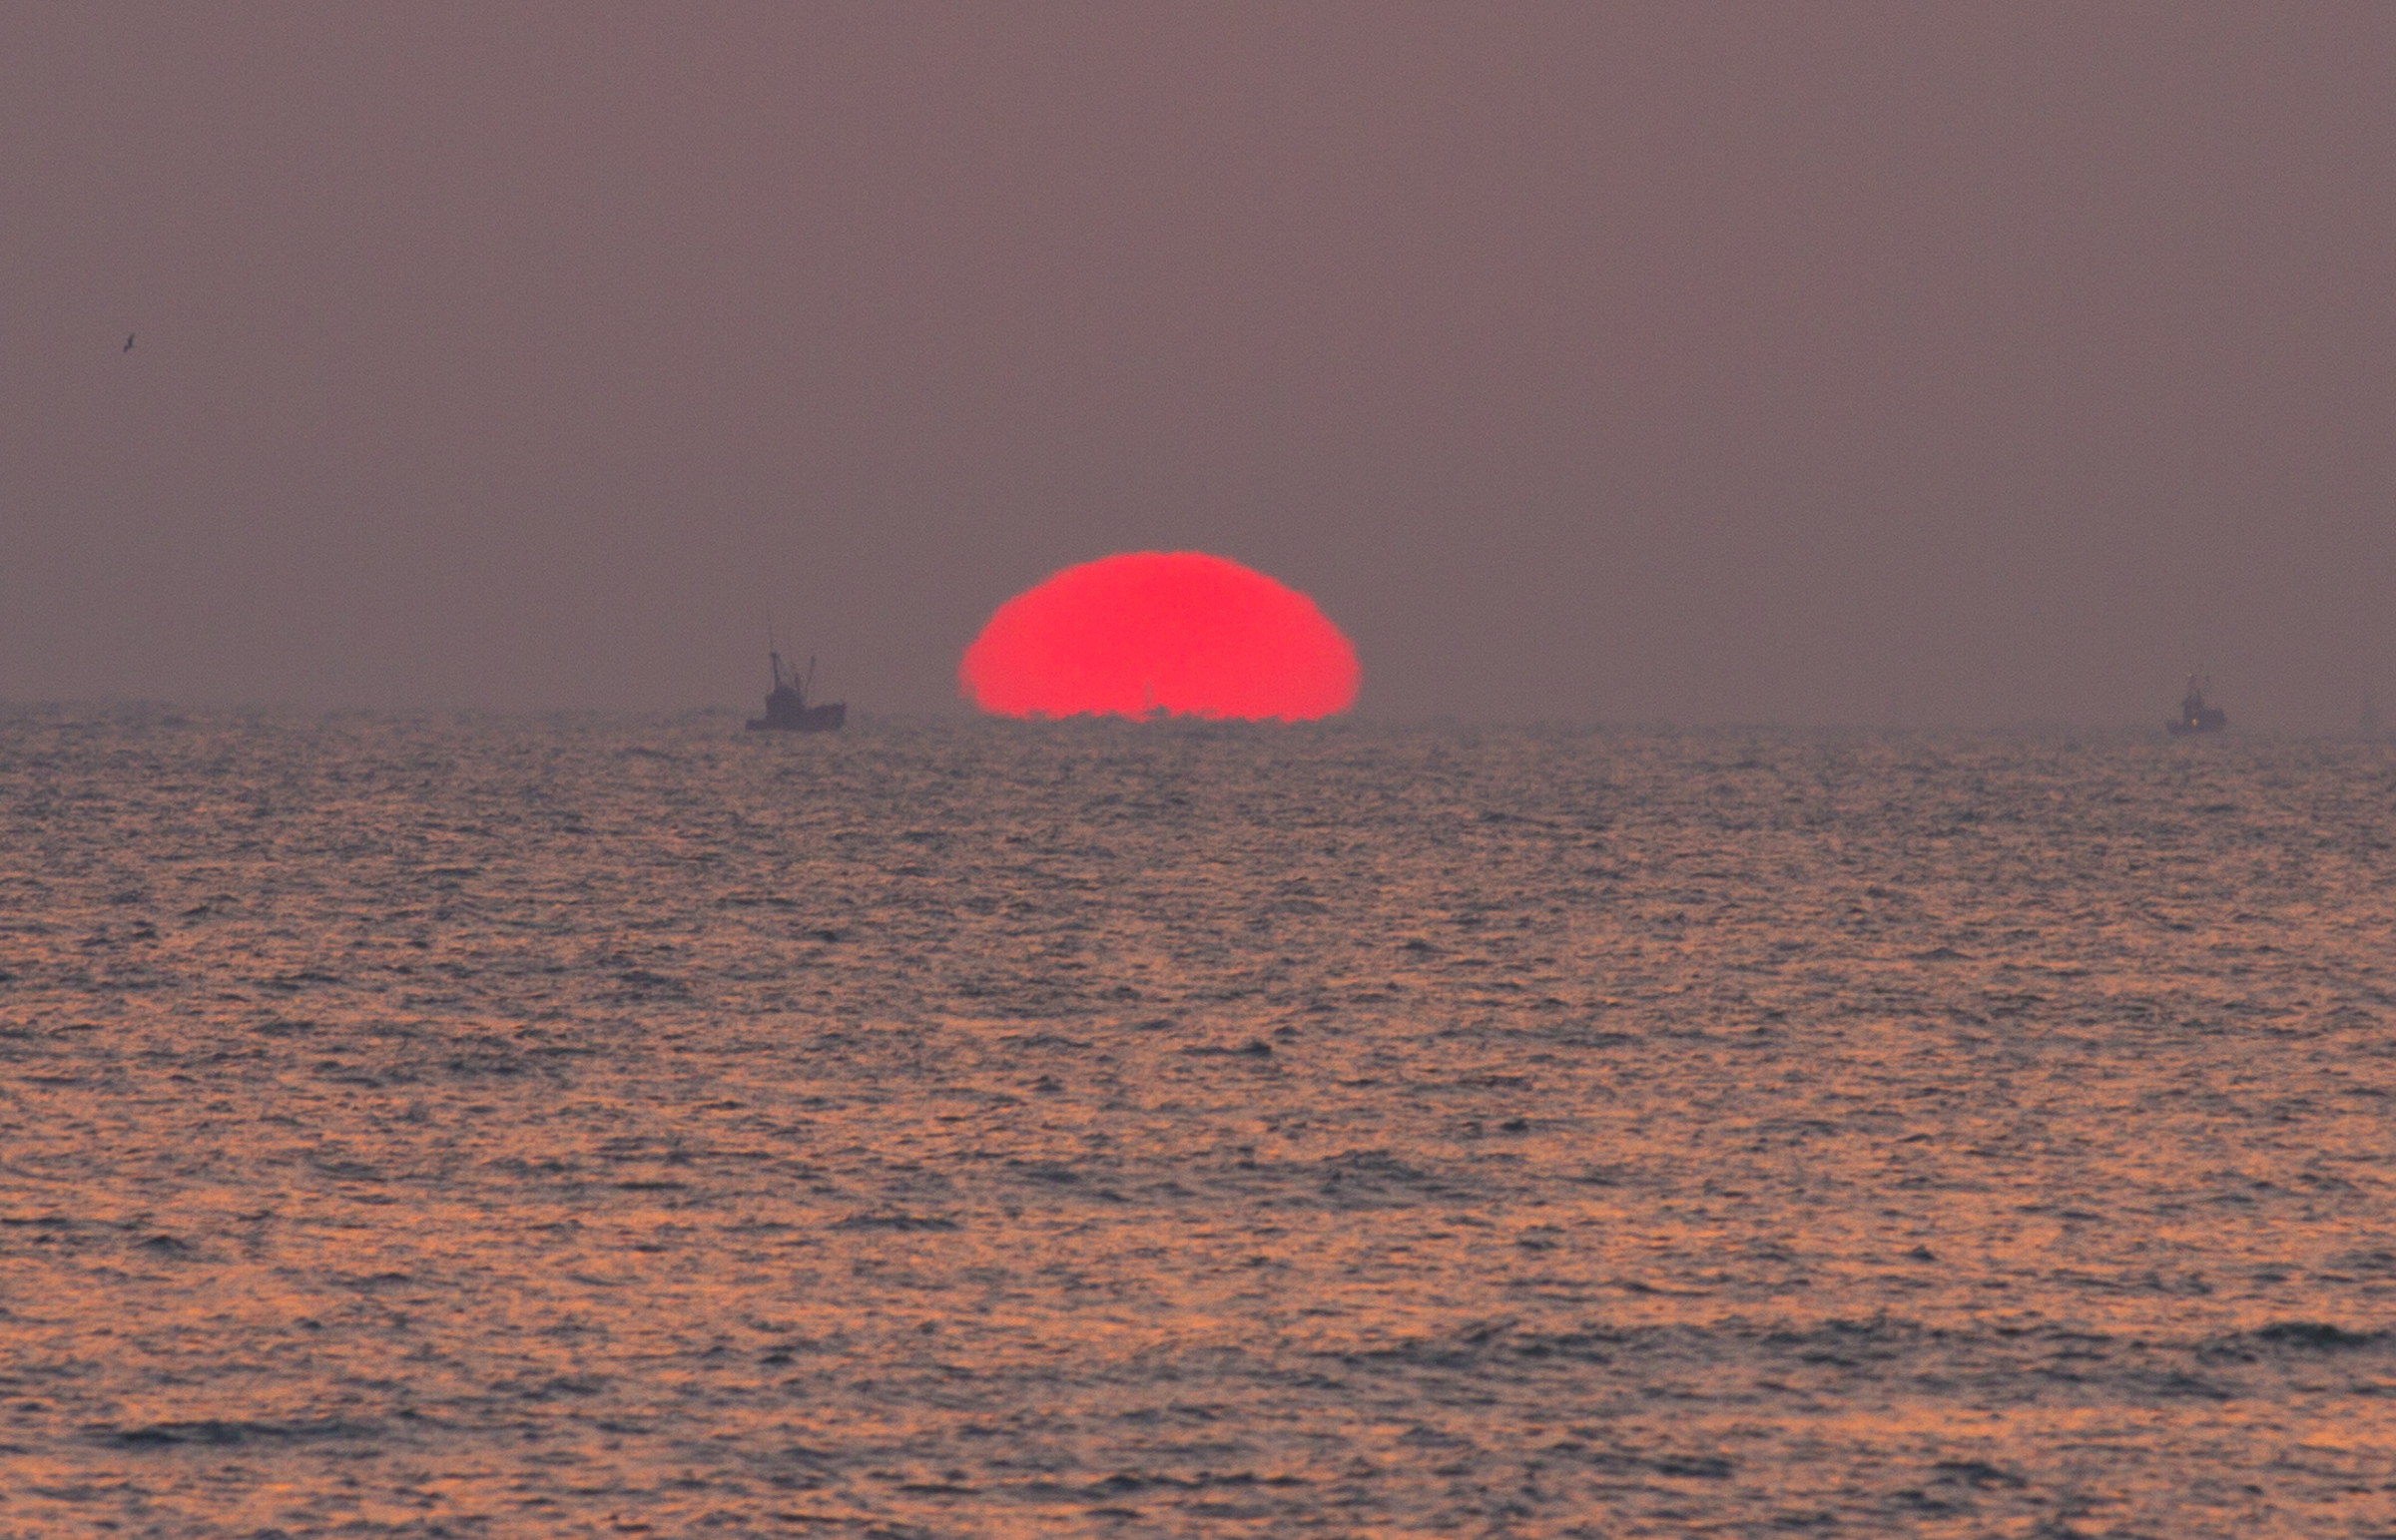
<point x="787" y="709"/>
<point x="2194" y="715"/>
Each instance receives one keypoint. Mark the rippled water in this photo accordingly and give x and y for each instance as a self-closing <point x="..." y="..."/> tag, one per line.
<point x="616" y="1125"/>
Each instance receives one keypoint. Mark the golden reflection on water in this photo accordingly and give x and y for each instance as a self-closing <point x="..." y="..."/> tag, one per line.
<point x="581" y="1127"/>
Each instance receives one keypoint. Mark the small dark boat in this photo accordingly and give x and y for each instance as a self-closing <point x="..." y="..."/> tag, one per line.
<point x="787" y="709"/>
<point x="2194" y="715"/>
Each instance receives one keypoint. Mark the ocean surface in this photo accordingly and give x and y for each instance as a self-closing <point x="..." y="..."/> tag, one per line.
<point x="616" y="1125"/>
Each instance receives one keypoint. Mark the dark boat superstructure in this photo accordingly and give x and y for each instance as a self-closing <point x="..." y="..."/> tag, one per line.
<point x="2194" y="715"/>
<point x="787" y="709"/>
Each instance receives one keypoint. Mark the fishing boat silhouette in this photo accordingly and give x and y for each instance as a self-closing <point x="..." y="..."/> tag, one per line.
<point x="787" y="709"/>
<point x="2194" y="715"/>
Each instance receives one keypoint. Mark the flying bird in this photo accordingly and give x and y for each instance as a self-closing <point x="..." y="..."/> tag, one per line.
<point x="128" y="341"/>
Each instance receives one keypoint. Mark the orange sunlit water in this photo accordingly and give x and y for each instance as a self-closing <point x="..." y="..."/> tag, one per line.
<point x="537" y="1126"/>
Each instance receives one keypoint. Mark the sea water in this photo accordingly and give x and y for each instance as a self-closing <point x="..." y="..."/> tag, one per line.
<point x="452" y="1125"/>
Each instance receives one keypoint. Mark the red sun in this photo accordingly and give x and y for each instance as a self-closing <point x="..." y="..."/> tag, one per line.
<point x="1179" y="631"/>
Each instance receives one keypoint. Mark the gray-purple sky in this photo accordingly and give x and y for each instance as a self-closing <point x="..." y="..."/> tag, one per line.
<point x="1827" y="363"/>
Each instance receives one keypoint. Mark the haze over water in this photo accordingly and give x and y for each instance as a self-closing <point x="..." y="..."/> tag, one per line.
<point x="609" y="1125"/>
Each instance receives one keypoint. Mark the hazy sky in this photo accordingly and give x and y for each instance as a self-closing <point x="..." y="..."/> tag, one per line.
<point x="1912" y="364"/>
